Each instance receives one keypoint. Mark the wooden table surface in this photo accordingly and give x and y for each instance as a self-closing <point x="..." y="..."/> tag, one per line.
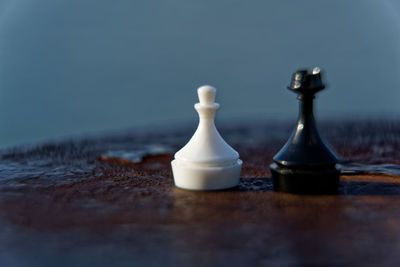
<point x="65" y="204"/>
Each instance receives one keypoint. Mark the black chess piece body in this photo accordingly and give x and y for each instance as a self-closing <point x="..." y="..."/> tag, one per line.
<point x="306" y="165"/>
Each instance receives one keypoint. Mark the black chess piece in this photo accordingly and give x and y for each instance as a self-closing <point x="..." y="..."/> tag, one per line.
<point x="306" y="165"/>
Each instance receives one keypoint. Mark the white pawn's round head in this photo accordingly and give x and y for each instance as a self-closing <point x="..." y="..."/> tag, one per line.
<point x="206" y="95"/>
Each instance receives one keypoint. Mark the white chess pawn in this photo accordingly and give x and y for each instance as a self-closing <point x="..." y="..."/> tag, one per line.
<point x="207" y="162"/>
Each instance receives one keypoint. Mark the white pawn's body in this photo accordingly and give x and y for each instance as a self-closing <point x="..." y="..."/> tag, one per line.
<point x="206" y="162"/>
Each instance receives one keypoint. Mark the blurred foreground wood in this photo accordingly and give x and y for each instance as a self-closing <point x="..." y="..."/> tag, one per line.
<point x="62" y="205"/>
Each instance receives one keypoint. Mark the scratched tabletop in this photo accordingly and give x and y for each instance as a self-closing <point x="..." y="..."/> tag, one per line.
<point x="110" y="201"/>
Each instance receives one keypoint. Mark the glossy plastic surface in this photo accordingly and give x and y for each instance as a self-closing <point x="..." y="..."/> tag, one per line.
<point x="206" y="162"/>
<point x="306" y="164"/>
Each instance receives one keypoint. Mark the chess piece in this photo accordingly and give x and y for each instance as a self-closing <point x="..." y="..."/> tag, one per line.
<point x="206" y="162"/>
<point x="305" y="165"/>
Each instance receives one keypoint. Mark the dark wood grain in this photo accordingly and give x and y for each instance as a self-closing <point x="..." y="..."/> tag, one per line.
<point x="59" y="203"/>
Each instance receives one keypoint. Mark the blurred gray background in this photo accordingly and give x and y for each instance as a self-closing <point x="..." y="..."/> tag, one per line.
<point x="72" y="67"/>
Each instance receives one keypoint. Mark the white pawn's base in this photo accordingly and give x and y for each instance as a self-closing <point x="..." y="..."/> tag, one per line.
<point x="191" y="177"/>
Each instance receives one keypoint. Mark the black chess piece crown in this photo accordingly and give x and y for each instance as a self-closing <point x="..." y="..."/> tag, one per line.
<point x="306" y="165"/>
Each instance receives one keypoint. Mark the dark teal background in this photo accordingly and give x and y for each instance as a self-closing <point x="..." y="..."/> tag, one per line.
<point x="83" y="66"/>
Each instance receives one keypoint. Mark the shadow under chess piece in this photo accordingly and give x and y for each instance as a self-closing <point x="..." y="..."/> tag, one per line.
<point x="306" y="165"/>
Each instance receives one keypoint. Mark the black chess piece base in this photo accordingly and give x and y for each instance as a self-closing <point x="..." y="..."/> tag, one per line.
<point x="313" y="181"/>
